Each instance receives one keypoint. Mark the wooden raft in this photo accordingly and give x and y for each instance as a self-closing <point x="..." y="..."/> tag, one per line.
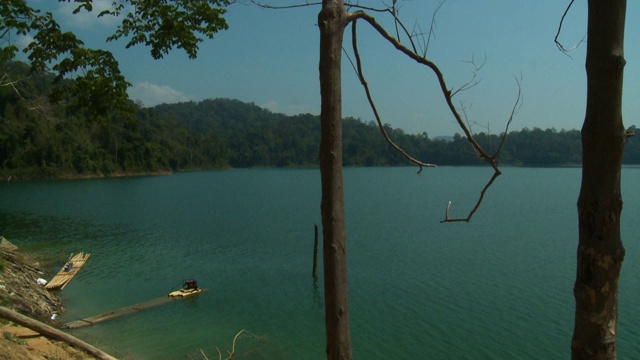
<point x="68" y="271"/>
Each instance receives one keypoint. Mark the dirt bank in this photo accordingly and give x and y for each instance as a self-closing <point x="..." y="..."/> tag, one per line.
<point x="19" y="291"/>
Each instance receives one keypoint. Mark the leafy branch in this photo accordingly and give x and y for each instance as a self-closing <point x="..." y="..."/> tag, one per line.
<point x="98" y="87"/>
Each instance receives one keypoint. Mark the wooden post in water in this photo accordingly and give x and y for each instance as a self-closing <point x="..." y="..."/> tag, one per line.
<point x="315" y="253"/>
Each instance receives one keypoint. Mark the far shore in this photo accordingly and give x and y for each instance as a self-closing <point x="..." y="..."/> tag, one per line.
<point x="69" y="176"/>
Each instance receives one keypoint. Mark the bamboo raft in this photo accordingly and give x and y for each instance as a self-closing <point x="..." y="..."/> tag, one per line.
<point x="121" y="312"/>
<point x="68" y="271"/>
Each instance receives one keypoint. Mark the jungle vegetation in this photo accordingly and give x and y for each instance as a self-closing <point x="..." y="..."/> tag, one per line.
<point x="41" y="140"/>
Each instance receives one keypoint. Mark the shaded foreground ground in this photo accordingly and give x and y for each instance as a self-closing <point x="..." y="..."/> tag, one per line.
<point x="20" y="292"/>
<point x="21" y="343"/>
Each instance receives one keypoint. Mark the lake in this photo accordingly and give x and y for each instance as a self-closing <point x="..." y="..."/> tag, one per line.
<point x="499" y="287"/>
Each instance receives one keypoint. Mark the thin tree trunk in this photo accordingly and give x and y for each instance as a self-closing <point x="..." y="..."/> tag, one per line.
<point x="331" y="21"/>
<point x="600" y="251"/>
<point x="314" y="271"/>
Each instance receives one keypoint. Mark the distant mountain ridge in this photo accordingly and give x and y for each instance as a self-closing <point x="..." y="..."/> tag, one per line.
<point x="39" y="140"/>
<point x="222" y="116"/>
<point x="255" y="136"/>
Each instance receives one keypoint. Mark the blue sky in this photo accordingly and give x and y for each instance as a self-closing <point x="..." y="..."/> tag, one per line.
<point x="270" y="58"/>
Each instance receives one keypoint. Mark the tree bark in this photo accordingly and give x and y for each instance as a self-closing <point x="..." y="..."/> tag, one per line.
<point x="52" y="333"/>
<point x="331" y="20"/>
<point x="600" y="250"/>
<point x="314" y="272"/>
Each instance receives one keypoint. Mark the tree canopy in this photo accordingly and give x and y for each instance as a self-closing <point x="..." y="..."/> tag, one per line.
<point x="38" y="139"/>
<point x="98" y="87"/>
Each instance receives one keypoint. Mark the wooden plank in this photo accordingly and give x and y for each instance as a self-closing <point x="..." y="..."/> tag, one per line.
<point x="121" y="312"/>
<point x="117" y="313"/>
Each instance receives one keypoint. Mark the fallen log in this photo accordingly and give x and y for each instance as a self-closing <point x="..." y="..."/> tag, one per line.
<point x="53" y="333"/>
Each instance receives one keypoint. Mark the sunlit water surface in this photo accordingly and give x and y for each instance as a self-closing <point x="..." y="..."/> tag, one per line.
<point x="499" y="287"/>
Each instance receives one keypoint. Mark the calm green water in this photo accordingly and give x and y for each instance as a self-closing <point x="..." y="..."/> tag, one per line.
<point x="499" y="287"/>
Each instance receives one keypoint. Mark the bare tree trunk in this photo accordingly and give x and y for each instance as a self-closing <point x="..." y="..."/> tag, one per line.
<point x="331" y="21"/>
<point x="600" y="251"/>
<point x="314" y="271"/>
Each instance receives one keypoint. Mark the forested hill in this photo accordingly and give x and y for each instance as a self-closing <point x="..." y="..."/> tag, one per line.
<point x="258" y="137"/>
<point x="222" y="116"/>
<point x="40" y="140"/>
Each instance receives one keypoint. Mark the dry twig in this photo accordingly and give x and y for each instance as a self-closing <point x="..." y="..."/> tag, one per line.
<point x="557" y="42"/>
<point x="233" y="347"/>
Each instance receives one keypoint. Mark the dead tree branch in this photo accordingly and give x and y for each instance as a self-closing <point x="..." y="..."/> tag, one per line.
<point x="267" y="6"/>
<point x="424" y="61"/>
<point x="557" y="42"/>
<point x="393" y="10"/>
<point x="514" y="110"/>
<point x="432" y="28"/>
<point x="363" y="81"/>
<point x="447" y="93"/>
<point x="419" y="57"/>
<point x="474" y="80"/>
<point x="5" y="80"/>
<point x="33" y="102"/>
<point x="233" y="347"/>
<point x="473" y="211"/>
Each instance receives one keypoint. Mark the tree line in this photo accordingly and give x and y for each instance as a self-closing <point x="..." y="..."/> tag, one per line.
<point x="40" y="140"/>
<point x="98" y="89"/>
<point x="258" y="137"/>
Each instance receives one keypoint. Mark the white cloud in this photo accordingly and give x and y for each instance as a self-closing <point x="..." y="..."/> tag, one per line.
<point x="24" y="41"/>
<point x="152" y="94"/>
<point x="290" y="109"/>
<point x="85" y="19"/>
<point x="271" y="106"/>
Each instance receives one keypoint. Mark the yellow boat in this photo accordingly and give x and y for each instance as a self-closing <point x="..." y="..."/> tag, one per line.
<point x="190" y="287"/>
<point x="184" y="292"/>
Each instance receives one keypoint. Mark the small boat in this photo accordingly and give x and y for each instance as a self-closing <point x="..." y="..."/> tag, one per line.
<point x="184" y="292"/>
<point x="190" y="287"/>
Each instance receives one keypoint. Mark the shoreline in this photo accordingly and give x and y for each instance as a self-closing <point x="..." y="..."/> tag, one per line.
<point x="70" y="176"/>
<point x="20" y="292"/>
